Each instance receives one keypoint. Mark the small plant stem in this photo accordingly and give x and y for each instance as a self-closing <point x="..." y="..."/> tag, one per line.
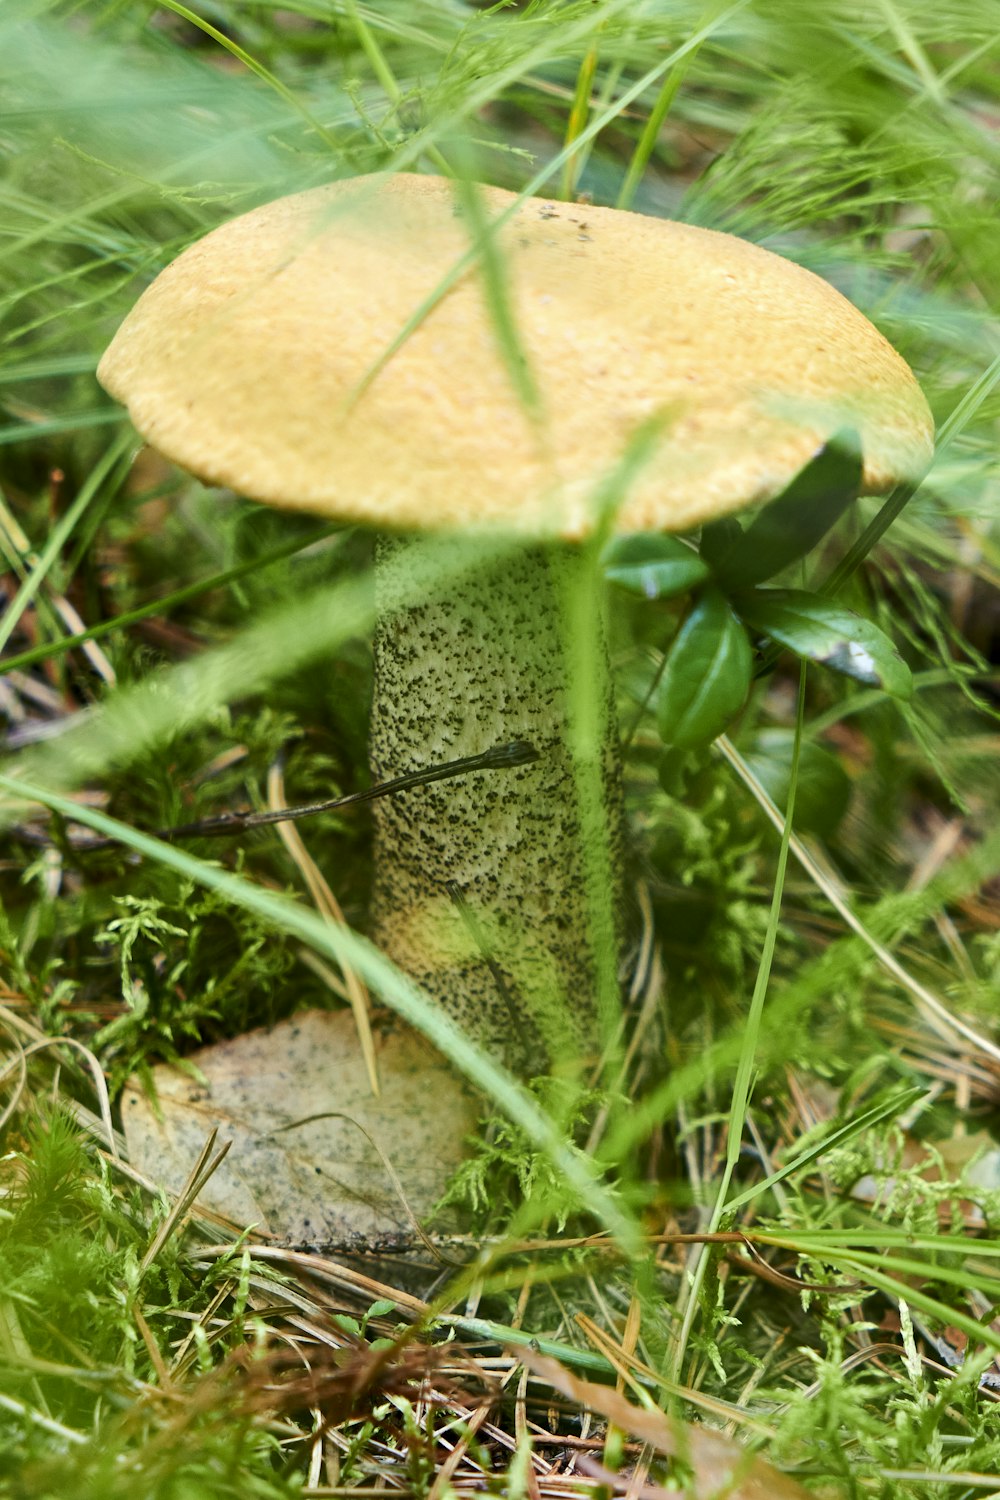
<point x="872" y="534"/>
<point x="577" y="120"/>
<point x="290" y="96"/>
<point x="479" y="938"/>
<point x="500" y="757"/>
<point x="587" y="699"/>
<point x="496" y="290"/>
<point x="386" y="77"/>
<point x="744" y="1071"/>
<point x="640" y="713"/>
<point x="651" y="130"/>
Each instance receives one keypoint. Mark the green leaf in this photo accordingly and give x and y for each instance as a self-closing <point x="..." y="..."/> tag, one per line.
<point x="707" y="674"/>
<point x="381" y="1307"/>
<point x="347" y="1323"/>
<point x="823" y="788"/>
<point x="655" y="567"/>
<point x="824" y="632"/>
<point x="790" y="526"/>
<point x="719" y="539"/>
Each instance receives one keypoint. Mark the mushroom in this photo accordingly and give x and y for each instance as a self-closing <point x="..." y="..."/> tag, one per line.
<point x="339" y="351"/>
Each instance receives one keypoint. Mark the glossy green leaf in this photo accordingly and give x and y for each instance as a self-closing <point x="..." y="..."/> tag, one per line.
<point x="825" y="632"/>
<point x="823" y="788"/>
<point x="791" y="526"/>
<point x="719" y="540"/>
<point x="707" y="674"/>
<point x="655" y="567"/>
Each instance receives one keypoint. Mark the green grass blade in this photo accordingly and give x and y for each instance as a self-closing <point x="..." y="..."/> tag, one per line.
<point x="346" y="947"/>
<point x="63" y="529"/>
<point x="165" y="605"/>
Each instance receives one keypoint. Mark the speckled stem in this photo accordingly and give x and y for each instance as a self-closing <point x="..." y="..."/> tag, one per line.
<point x="481" y="881"/>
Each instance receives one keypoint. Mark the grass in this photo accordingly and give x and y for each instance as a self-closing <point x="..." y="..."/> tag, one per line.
<point x="776" y="1215"/>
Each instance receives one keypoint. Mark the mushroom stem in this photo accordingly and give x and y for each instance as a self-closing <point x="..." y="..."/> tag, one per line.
<point x="485" y="886"/>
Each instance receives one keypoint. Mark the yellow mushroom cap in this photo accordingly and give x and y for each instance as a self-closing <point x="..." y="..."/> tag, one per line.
<point x="257" y="360"/>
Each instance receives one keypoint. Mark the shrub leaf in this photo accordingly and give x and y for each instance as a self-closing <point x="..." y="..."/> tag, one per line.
<point x="825" y="632"/>
<point x="789" y="527"/>
<point x="654" y="567"/>
<point x="707" y="674"/>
